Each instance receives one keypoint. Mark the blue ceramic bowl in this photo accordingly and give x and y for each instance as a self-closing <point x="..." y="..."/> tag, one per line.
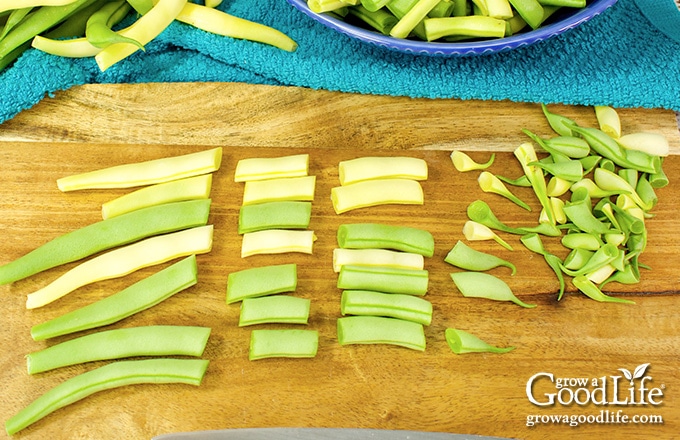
<point x="562" y="21"/>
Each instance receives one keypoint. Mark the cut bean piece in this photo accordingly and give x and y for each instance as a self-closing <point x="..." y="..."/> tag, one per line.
<point x="272" y="190"/>
<point x="651" y="143"/>
<point x="140" y="296"/>
<point x="274" y="309"/>
<point x="463" y="342"/>
<point x="475" y="231"/>
<point x="154" y="340"/>
<point x="462" y="162"/>
<point x="123" y="261"/>
<point x="589" y="289"/>
<point x="608" y="120"/>
<point x="277" y="241"/>
<point x="272" y="167"/>
<point x="116" y="374"/>
<point x="492" y="184"/>
<point x="376" y="257"/>
<point x="283" y="343"/>
<point x="107" y="234"/>
<point x="384" y="279"/>
<point x="393" y="305"/>
<point x="581" y="240"/>
<point x="191" y="188"/>
<point x="371" y="168"/>
<point x="382" y="236"/>
<point x="261" y="281"/>
<point x="484" y="285"/>
<point x="274" y="215"/>
<point x="376" y="192"/>
<point x="465" y="257"/>
<point x="381" y="330"/>
<point x="145" y="173"/>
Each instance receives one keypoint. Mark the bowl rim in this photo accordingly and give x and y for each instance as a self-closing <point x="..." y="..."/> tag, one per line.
<point x="480" y="47"/>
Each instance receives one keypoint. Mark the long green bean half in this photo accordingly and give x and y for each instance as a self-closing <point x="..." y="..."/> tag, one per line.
<point x="381" y="330"/>
<point x="116" y="374"/>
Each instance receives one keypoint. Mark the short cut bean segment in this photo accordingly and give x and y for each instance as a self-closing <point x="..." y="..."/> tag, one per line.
<point x="376" y="257"/>
<point x="287" y="343"/>
<point x="286" y="188"/>
<point x="123" y="261"/>
<point x="393" y="305"/>
<point x="384" y="279"/>
<point x="383" y="236"/>
<point x="262" y="168"/>
<point x="106" y="234"/>
<point x="484" y="285"/>
<point x="138" y="297"/>
<point x="462" y="342"/>
<point x="464" y="257"/>
<point x="376" y="192"/>
<point x="274" y="309"/>
<point x="463" y="163"/>
<point x="274" y="215"/>
<point x="191" y="188"/>
<point x="381" y="330"/>
<point x="277" y="241"/>
<point x="145" y="173"/>
<point x="116" y="374"/>
<point x="261" y="281"/>
<point x="156" y="340"/>
<point x="370" y="168"/>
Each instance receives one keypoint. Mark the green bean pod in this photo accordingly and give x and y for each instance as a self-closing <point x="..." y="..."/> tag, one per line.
<point x="155" y="340"/>
<point x="261" y="281"/>
<point x="98" y="30"/>
<point x="392" y="305"/>
<point x="139" y="296"/>
<point x="484" y="285"/>
<point x="381" y="330"/>
<point x="384" y="279"/>
<point x="283" y="343"/>
<point x="107" y="234"/>
<point x="375" y="235"/>
<point x="274" y="309"/>
<point x="116" y="374"/>
<point x="467" y="258"/>
<point x="461" y="342"/>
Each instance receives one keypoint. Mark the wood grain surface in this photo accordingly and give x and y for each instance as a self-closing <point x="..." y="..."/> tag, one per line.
<point x="353" y="386"/>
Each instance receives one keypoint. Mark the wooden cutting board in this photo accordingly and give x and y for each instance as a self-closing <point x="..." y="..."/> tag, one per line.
<point x="354" y="386"/>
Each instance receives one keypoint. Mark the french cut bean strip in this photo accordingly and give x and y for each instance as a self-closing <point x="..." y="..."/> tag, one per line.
<point x="283" y="343"/>
<point x="376" y="192"/>
<point x="116" y="374"/>
<point x="377" y="235"/>
<point x="376" y="257"/>
<point x="262" y="168"/>
<point x="139" y="296"/>
<point x="154" y="340"/>
<point x="191" y="188"/>
<point x="381" y="330"/>
<point x="384" y="279"/>
<point x="260" y="281"/>
<point x="123" y="261"/>
<point x="393" y="305"/>
<point x="145" y="173"/>
<point x="371" y="168"/>
<point x="107" y="234"/>
<point x="274" y="309"/>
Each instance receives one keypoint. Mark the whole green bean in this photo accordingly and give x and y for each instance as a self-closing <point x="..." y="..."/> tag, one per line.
<point x="154" y="340"/>
<point x="106" y="234"/>
<point x="139" y="296"/>
<point x="98" y="30"/>
<point x="116" y="374"/>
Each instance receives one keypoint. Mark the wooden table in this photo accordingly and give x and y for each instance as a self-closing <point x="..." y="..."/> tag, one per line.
<point x="353" y="386"/>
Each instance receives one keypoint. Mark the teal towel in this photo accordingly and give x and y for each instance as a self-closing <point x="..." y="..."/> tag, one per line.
<point x="618" y="58"/>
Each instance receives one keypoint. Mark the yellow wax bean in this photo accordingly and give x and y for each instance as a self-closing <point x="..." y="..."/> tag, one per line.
<point x="369" y="168"/>
<point x="125" y="260"/>
<point x="145" y="173"/>
<point x="377" y="257"/>
<point x="197" y="187"/>
<point x="608" y="120"/>
<point x="145" y="29"/>
<point x="272" y="167"/>
<point x="376" y="192"/>
<point x="272" y="190"/>
<point x="277" y="241"/>
<point x="650" y="143"/>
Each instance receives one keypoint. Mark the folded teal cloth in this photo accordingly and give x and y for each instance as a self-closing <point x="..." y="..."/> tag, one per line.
<point x="618" y="58"/>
